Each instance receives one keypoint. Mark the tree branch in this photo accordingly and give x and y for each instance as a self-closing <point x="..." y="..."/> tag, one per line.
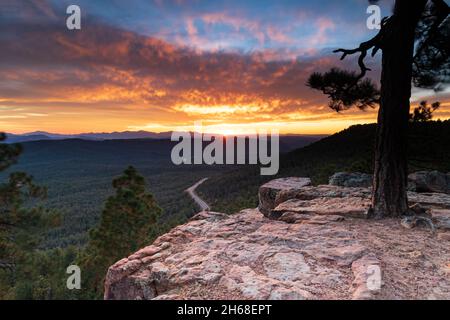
<point x="375" y="43"/>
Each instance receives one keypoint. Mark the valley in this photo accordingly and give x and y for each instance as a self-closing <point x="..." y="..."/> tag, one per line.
<point x="78" y="175"/>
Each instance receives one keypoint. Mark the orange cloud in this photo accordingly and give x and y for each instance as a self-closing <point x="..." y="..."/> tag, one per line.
<point x="105" y="78"/>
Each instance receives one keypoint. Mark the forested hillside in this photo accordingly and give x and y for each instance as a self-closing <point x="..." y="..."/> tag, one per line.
<point x="78" y="173"/>
<point x="78" y="176"/>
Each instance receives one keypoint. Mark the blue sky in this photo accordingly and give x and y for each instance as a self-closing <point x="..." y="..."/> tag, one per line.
<point x="238" y="25"/>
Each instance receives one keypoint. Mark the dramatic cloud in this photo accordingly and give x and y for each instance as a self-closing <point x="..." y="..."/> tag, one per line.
<point x="109" y="76"/>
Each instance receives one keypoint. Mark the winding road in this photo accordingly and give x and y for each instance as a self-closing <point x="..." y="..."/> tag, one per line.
<point x="199" y="201"/>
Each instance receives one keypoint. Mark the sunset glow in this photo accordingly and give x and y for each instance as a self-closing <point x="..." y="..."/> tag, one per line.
<point x="161" y="66"/>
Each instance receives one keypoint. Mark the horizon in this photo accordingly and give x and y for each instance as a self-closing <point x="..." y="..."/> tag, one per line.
<point x="150" y="132"/>
<point x="160" y="67"/>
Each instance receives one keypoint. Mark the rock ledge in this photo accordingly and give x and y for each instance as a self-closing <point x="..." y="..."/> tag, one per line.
<point x="314" y="246"/>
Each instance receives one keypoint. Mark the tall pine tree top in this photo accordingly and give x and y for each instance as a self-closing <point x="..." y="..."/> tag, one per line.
<point x="127" y="223"/>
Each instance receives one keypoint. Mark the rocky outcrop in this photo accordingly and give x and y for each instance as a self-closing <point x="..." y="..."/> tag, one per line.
<point x="328" y="199"/>
<point x="429" y="181"/>
<point x="315" y="246"/>
<point x="243" y="255"/>
<point x="346" y="207"/>
<point x="277" y="191"/>
<point x="351" y="179"/>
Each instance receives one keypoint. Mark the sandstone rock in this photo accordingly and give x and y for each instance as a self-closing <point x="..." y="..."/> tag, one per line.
<point x="249" y="284"/>
<point x="367" y="278"/>
<point x="168" y="297"/>
<point x="360" y="197"/>
<point x="315" y="250"/>
<point x="342" y="255"/>
<point x="430" y="200"/>
<point x="294" y="217"/>
<point x="209" y="216"/>
<point x="324" y="219"/>
<point x="276" y="192"/>
<point x="328" y="191"/>
<point x="429" y="181"/>
<point x="353" y="179"/>
<point x="122" y="269"/>
<point x="287" y="266"/>
<point x="444" y="236"/>
<point x="347" y="206"/>
<point x="132" y="287"/>
<point x="261" y="259"/>
<point x="292" y="293"/>
<point x="269" y="192"/>
<point x="146" y="252"/>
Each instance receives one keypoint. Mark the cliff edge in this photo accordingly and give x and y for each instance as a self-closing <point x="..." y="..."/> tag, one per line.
<point x="302" y="242"/>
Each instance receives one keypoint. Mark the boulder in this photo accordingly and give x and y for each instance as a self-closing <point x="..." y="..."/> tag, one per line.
<point x="273" y="194"/>
<point x="276" y="191"/>
<point x="351" y="179"/>
<point x="280" y="191"/>
<point x="429" y="181"/>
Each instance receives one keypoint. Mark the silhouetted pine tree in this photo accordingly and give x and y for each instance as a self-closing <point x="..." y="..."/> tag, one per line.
<point x="415" y="42"/>
<point x="424" y="112"/>
<point x="128" y="222"/>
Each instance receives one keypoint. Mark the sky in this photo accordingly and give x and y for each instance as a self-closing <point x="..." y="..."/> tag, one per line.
<point x="163" y="65"/>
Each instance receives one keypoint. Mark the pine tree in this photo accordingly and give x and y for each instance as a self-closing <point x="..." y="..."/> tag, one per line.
<point x="21" y="226"/>
<point x="423" y="112"/>
<point x="128" y="222"/>
<point x="414" y="42"/>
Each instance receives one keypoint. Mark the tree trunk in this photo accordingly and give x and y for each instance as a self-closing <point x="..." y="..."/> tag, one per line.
<point x="389" y="198"/>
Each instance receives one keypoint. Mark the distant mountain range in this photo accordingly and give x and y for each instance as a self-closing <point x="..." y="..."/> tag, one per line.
<point x="287" y="142"/>
<point x="42" y="135"/>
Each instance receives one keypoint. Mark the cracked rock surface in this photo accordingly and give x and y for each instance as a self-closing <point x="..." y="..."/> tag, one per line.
<point x="318" y="247"/>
